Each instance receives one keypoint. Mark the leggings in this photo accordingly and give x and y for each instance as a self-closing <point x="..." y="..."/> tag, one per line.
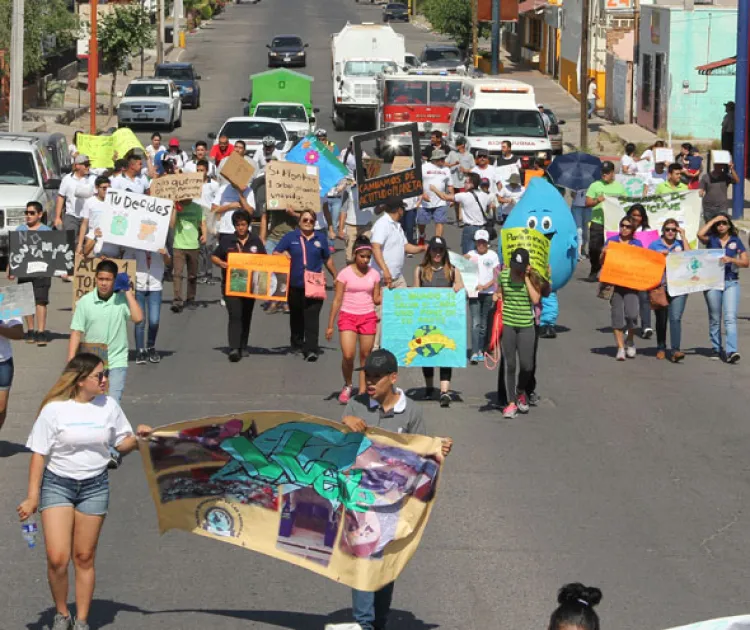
<point x="518" y="341"/>
<point x="502" y="394"/>
<point x="445" y="373"/>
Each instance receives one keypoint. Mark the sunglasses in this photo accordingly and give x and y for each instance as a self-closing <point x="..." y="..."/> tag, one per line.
<point x="30" y="213"/>
<point x="670" y="229"/>
<point x="100" y="376"/>
<point x="308" y="220"/>
<point x="721" y="223"/>
<point x="482" y="157"/>
<point x="626" y="226"/>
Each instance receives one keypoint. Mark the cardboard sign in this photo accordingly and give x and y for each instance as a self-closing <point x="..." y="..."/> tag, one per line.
<point x="99" y="149"/>
<point x="372" y="166"/>
<point x="401" y="163"/>
<point x="532" y="240"/>
<point x="294" y="186"/>
<point x="663" y="154"/>
<point x="694" y="271"/>
<point x="261" y="276"/>
<point x="632" y="267"/>
<point x="401" y="185"/>
<point x="178" y="187"/>
<point x="236" y="170"/>
<point x="137" y="221"/>
<point x="17" y="300"/>
<point x="35" y="254"/>
<point x="84" y="275"/>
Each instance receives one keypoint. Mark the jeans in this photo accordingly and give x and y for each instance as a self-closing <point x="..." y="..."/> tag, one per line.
<point x="408" y="221"/>
<point x="370" y="610"/>
<point x="596" y="244"/>
<point x="240" y="311"/>
<point x="334" y="207"/>
<point x="304" y="320"/>
<point x="88" y="496"/>
<point x="644" y="307"/>
<point x="185" y="258"/>
<point x="673" y="314"/>
<point x="150" y="303"/>
<point x="117" y="378"/>
<point x="467" y="237"/>
<point x="582" y="217"/>
<point x="723" y="302"/>
<point x="592" y="107"/>
<point x="479" y="308"/>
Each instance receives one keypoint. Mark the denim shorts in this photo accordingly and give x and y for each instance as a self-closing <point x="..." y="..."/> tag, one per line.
<point x="88" y="496"/>
<point x="6" y="374"/>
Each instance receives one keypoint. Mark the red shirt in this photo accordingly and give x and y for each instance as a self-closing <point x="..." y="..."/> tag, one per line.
<point x="217" y="155"/>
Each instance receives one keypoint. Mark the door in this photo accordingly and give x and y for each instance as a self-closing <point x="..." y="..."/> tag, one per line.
<point x="658" y="84"/>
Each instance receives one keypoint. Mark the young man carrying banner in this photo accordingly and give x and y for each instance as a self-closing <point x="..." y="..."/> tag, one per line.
<point x="674" y="181"/>
<point x="385" y="406"/>
<point x="605" y="187"/>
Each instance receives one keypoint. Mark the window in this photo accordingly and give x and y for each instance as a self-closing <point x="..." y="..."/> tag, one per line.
<point x="506" y="122"/>
<point x="286" y="42"/>
<point x="535" y="34"/>
<point x="255" y="129"/>
<point x="460" y="125"/>
<point x="368" y="68"/>
<point x="17" y="167"/>
<point x="292" y="113"/>
<point x="445" y="92"/>
<point x="180" y="73"/>
<point x="646" y="83"/>
<point x="158" y="90"/>
<point x="406" y="92"/>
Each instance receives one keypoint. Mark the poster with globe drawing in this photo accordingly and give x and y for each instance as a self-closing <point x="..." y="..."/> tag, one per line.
<point x="137" y="221"/>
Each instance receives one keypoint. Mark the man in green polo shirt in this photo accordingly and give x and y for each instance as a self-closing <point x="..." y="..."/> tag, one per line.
<point x="674" y="181"/>
<point x="605" y="187"/>
<point x="189" y="233"/>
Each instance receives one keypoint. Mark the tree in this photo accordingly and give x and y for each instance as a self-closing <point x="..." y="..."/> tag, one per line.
<point x="453" y="18"/>
<point x="121" y="34"/>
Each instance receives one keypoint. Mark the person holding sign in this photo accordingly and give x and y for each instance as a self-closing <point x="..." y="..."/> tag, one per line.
<point x="720" y="233"/>
<point x="90" y="236"/>
<point x="75" y="188"/>
<point x="607" y="186"/>
<point x="488" y="264"/>
<point x="639" y="216"/>
<point x="714" y="189"/>
<point x="436" y="177"/>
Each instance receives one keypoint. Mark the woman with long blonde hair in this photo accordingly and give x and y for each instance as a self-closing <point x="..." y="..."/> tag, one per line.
<point x="68" y="483"/>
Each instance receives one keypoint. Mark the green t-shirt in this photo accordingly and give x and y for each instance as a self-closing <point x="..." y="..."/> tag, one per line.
<point x="665" y="188"/>
<point x="187" y="226"/>
<point x="104" y="322"/>
<point x="518" y="310"/>
<point x="614" y="189"/>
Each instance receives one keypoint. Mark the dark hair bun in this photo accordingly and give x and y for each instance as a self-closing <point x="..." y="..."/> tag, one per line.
<point x="577" y="592"/>
<point x="361" y="240"/>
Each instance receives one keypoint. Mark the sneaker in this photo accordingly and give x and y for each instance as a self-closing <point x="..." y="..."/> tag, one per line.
<point x="346" y="394"/>
<point x="61" y="623"/>
<point x="511" y="411"/>
<point x="647" y="333"/>
<point x="295" y="350"/>
<point x="42" y="338"/>
<point x="30" y="336"/>
<point x="153" y="355"/>
<point x="474" y="359"/>
<point x="620" y="354"/>
<point x="311" y="357"/>
<point x="445" y="399"/>
<point x="222" y="302"/>
<point x="522" y="403"/>
<point x="80" y="625"/>
<point x="140" y="357"/>
<point x="733" y="357"/>
<point x="234" y="356"/>
<point x="177" y="308"/>
<point x="429" y="393"/>
<point x="460" y="224"/>
<point x="677" y="356"/>
<point x="630" y="352"/>
<point x="715" y="355"/>
<point x="534" y="399"/>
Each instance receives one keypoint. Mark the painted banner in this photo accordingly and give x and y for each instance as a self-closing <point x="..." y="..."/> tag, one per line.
<point x="695" y="270"/>
<point x="34" y="254"/>
<point x="534" y="241"/>
<point x="294" y="186"/>
<point x="178" y="187"/>
<point x="349" y="506"/>
<point x="17" y="300"/>
<point x="469" y="272"/>
<point x="261" y="276"/>
<point x="137" y="221"/>
<point x="741" y="622"/>
<point x="632" y="267"/>
<point x="99" y="149"/>
<point x="646" y="237"/>
<point x="125" y="140"/>
<point x="312" y="152"/>
<point x="84" y="274"/>
<point x="685" y="207"/>
<point x="425" y="327"/>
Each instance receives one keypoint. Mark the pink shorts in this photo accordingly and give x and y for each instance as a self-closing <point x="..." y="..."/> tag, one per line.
<point x="366" y="324"/>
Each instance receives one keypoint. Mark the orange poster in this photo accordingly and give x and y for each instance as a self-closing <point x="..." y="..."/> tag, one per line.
<point x="261" y="276"/>
<point x="632" y="267"/>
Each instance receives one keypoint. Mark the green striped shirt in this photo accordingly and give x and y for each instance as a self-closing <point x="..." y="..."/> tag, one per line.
<point x="518" y="310"/>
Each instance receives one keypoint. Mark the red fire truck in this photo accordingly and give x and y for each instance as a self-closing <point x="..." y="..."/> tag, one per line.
<point x="420" y="96"/>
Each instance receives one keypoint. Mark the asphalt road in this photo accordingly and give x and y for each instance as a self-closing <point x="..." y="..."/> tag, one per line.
<point x="629" y="476"/>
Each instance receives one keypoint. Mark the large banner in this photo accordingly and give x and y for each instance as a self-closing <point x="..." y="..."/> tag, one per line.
<point x="425" y="327"/>
<point x="741" y="622"/>
<point x="695" y="270"/>
<point x="101" y="149"/>
<point x="137" y="221"/>
<point x="632" y="267"/>
<point x="261" y="276"/>
<point x="349" y="506"/>
<point x="684" y="206"/>
<point x="312" y="152"/>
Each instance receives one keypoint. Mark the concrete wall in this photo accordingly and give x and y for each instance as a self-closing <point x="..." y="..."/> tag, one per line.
<point x="654" y="34"/>
<point x="570" y="48"/>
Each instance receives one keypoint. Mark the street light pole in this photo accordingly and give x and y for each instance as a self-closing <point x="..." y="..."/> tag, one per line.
<point x="159" y="31"/>
<point x="583" y="87"/>
<point x="740" y="110"/>
<point x="93" y="64"/>
<point x="495" y="36"/>
<point x="15" y="119"/>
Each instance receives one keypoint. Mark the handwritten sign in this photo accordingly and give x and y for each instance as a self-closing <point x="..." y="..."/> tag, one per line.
<point x="178" y="187"/>
<point x="401" y="163"/>
<point x="137" y="221"/>
<point x="99" y="149"/>
<point x="124" y="140"/>
<point x="503" y="173"/>
<point x="35" y="254"/>
<point x="293" y="186"/>
<point x="261" y="276"/>
<point x="237" y="171"/>
<point x="372" y="166"/>
<point x="695" y="270"/>
<point x="632" y="267"/>
<point x="17" y="300"/>
<point x="663" y="154"/>
<point x="469" y="272"/>
<point x="532" y="240"/>
<point x="84" y="274"/>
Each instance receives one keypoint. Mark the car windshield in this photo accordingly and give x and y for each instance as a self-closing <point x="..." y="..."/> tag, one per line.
<point x="411" y="60"/>
<point x="406" y="92"/>
<point x="368" y="68"/>
<point x="179" y="74"/>
<point x="17" y="168"/>
<point x="286" y="42"/>
<point x="506" y="122"/>
<point x="551" y="116"/>
<point x="445" y="92"/>
<point x="442" y="54"/>
<point x="400" y="7"/>
<point x="255" y="129"/>
<point x="148" y="89"/>
<point x="293" y="113"/>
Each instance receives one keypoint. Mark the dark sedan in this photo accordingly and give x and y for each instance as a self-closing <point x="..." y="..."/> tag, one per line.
<point x="286" y="50"/>
<point x="395" y="11"/>
<point x="442" y="57"/>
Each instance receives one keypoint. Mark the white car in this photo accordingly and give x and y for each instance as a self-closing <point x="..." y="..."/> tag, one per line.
<point x="292" y="115"/>
<point x="150" y="102"/>
<point x="252" y="129"/>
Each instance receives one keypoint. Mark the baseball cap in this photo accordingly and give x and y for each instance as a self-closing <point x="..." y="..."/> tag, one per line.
<point x="321" y="132"/>
<point x="482" y="235"/>
<point x="437" y="154"/>
<point x="437" y="242"/>
<point x="484" y="182"/>
<point x="539" y="106"/>
<point x="82" y="159"/>
<point x="607" y="167"/>
<point x="460" y="140"/>
<point x="379" y="363"/>
<point x="392" y="204"/>
<point x="174" y="142"/>
<point x="519" y="259"/>
<point x="514" y="178"/>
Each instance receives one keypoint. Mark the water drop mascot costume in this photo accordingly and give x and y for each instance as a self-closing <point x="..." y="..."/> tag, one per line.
<point x="543" y="208"/>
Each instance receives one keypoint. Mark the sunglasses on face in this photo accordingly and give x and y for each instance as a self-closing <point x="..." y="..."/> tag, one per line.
<point x="722" y="223"/>
<point x="30" y="213"/>
<point x="306" y="221"/>
<point x="100" y="376"/>
<point x="670" y="229"/>
<point x="626" y="226"/>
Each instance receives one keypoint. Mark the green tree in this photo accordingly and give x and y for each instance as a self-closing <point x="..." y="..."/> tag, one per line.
<point x="453" y="18"/>
<point x="122" y="34"/>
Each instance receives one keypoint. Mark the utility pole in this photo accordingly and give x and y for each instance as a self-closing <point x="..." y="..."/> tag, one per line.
<point x="93" y="64"/>
<point x="495" y="36"/>
<point x="177" y="9"/>
<point x="159" y="31"/>
<point x="583" y="88"/>
<point x="15" y="119"/>
<point x="474" y="32"/>
<point x="637" y="58"/>
<point x="740" y="110"/>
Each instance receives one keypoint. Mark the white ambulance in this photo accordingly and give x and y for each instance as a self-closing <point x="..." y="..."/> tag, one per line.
<point x="492" y="110"/>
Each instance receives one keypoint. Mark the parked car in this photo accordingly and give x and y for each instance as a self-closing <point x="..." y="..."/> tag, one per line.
<point x="150" y="102"/>
<point x="442" y="57"/>
<point x="252" y="129"/>
<point x="287" y="50"/>
<point x="395" y="11"/>
<point x="555" y="133"/>
<point x="185" y="78"/>
<point x="57" y="149"/>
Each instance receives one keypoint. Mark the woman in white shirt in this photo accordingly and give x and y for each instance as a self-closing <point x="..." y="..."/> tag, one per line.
<point x="68" y="481"/>
<point x="628" y="165"/>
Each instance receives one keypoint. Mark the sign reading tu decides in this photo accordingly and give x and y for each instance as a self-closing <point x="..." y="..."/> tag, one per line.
<point x="137" y="221"/>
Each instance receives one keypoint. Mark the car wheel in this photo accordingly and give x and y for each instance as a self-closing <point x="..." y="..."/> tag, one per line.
<point x="178" y="122"/>
<point x="170" y="126"/>
<point x="198" y="102"/>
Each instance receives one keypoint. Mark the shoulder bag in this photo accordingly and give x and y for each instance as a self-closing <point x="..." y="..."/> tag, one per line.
<point x="489" y="221"/>
<point x="315" y="281"/>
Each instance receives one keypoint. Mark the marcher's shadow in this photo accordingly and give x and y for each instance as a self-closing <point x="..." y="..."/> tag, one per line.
<point x="57" y="335"/>
<point x="255" y="351"/>
<point x="605" y="351"/>
<point x="9" y="449"/>
<point x="103" y="613"/>
<point x="492" y="403"/>
<point x="420" y="393"/>
<point x="605" y="330"/>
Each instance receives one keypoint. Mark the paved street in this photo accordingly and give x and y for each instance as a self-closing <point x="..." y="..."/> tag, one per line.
<point x="630" y="476"/>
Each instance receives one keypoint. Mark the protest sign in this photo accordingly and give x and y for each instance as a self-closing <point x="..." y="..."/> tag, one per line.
<point x="349" y="506"/>
<point x="721" y="157"/>
<point x="236" y="170"/>
<point x="99" y="149"/>
<point x="17" y="300"/>
<point x="741" y="622"/>
<point x="401" y="185"/>
<point x="401" y="163"/>
<point x="125" y="140"/>
<point x="372" y="166"/>
<point x="425" y="327"/>
<point x="503" y="174"/>
<point x="261" y="276"/>
<point x="469" y="272"/>
<point x="84" y="274"/>
<point x="137" y="221"/>
<point x="178" y="187"/>
<point x="695" y="270"/>
<point x="663" y="154"/>
<point x="632" y="267"/>
<point x="293" y="186"/>
<point x="646" y="237"/>
<point x="35" y="254"/>
<point x="534" y="241"/>
<point x="312" y="152"/>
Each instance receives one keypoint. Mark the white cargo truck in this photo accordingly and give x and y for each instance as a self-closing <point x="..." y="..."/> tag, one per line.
<point x="359" y="53"/>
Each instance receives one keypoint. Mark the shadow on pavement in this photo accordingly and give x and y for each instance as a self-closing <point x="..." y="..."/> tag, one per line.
<point x="9" y="449"/>
<point x="103" y="613"/>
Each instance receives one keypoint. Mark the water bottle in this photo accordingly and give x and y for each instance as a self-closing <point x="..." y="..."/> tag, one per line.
<point x="29" y="530"/>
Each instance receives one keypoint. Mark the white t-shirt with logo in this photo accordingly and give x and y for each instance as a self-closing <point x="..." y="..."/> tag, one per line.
<point x="390" y="236"/>
<point x="6" y="350"/>
<point x="488" y="264"/>
<point x="474" y="212"/>
<point x="438" y="176"/>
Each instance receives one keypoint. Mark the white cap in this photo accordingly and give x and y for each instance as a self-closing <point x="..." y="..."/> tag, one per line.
<point x="482" y="235"/>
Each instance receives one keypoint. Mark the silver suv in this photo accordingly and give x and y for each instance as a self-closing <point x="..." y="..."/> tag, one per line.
<point x="150" y="102"/>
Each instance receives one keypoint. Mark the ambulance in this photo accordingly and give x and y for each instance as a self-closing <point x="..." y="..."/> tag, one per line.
<point x="492" y="110"/>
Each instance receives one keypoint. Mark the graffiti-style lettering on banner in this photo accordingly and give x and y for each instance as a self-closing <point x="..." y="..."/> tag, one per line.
<point x="35" y="254"/>
<point x="261" y="276"/>
<point x="532" y="240"/>
<point x="694" y="271"/>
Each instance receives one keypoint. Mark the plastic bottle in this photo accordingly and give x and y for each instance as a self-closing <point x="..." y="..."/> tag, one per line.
<point x="30" y="530"/>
